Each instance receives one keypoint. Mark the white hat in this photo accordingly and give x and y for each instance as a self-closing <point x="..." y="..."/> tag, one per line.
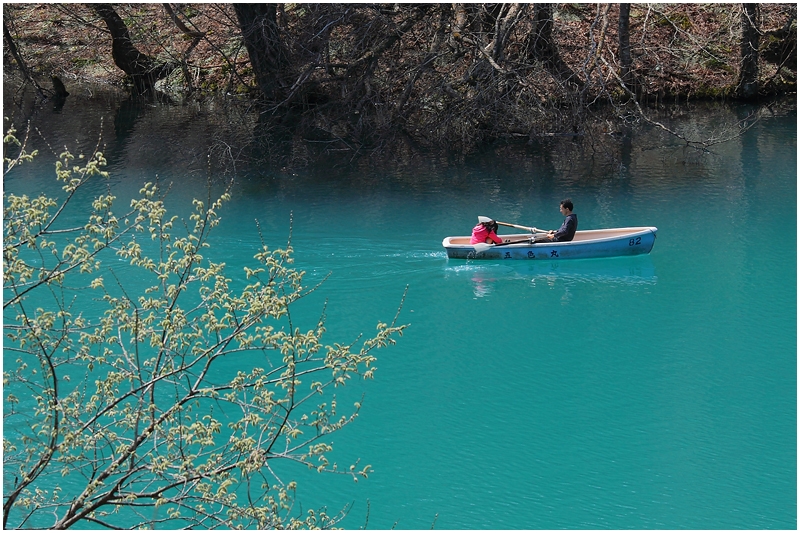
<point x="484" y="219"/>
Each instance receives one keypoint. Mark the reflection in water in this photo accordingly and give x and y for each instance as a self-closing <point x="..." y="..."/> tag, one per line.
<point x="58" y="103"/>
<point x="630" y="271"/>
<point x="483" y="286"/>
<point x="485" y="274"/>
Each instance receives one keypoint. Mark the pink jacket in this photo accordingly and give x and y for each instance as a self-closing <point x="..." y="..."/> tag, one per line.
<point x="480" y="234"/>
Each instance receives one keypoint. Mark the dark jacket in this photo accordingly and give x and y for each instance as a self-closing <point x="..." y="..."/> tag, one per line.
<point x="567" y="230"/>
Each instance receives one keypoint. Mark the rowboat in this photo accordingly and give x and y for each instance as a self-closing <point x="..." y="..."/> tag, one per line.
<point x="586" y="244"/>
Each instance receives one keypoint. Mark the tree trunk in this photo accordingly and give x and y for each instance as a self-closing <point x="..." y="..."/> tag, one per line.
<point x="143" y="69"/>
<point x="504" y="25"/>
<point x="259" y="26"/>
<point x="625" y="57"/>
<point x="542" y="47"/>
<point x="780" y="47"/>
<point x="196" y="37"/>
<point x="23" y="67"/>
<point x="748" y="74"/>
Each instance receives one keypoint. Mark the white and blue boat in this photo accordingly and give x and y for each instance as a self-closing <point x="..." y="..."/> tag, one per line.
<point x="587" y="244"/>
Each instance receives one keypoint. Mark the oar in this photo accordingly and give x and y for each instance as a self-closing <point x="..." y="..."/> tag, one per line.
<point x="526" y="228"/>
<point x="482" y="246"/>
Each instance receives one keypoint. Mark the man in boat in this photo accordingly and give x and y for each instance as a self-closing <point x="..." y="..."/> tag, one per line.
<point x="485" y="232"/>
<point x="567" y="230"/>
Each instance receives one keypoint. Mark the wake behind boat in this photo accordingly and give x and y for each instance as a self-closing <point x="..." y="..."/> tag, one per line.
<point x="586" y="244"/>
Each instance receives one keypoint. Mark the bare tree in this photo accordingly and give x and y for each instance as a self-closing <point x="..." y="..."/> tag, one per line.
<point x="781" y="46"/>
<point x="543" y="47"/>
<point x="625" y="58"/>
<point x="265" y="47"/>
<point x="747" y="86"/>
<point x="143" y="69"/>
<point x="376" y="78"/>
<point x="12" y="48"/>
<point x="196" y="37"/>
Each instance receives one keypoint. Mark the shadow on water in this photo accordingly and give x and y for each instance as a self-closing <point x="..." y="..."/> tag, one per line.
<point x="228" y="136"/>
<point x="184" y="140"/>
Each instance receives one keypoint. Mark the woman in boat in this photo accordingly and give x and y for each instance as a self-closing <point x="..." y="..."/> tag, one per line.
<point x="567" y="230"/>
<point x="485" y="232"/>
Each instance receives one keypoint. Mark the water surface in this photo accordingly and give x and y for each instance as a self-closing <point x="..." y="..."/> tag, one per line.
<point x="654" y="392"/>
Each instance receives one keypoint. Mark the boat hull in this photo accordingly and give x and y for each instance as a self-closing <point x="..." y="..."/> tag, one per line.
<point x="586" y="245"/>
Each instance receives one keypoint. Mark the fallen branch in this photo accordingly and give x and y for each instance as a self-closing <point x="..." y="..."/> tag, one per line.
<point x="703" y="145"/>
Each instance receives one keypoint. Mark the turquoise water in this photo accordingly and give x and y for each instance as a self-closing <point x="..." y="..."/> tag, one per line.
<point x="654" y="392"/>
